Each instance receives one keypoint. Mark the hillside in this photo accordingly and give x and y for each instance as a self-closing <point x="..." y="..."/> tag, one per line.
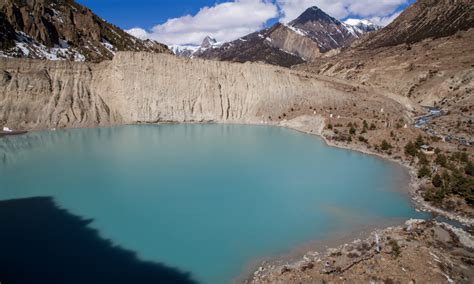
<point x="410" y="58"/>
<point x="62" y="30"/>
<point x="425" y="19"/>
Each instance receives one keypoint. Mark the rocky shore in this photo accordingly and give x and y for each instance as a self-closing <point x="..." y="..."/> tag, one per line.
<point x="418" y="252"/>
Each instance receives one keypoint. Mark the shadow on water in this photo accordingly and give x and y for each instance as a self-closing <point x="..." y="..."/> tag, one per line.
<point x="41" y="243"/>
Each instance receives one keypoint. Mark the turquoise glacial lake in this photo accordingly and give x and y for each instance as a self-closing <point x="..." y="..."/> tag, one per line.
<point x="207" y="200"/>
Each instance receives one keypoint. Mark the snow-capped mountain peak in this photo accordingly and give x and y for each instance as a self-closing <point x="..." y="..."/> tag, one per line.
<point x="208" y="42"/>
<point x="192" y="50"/>
<point x="361" y="26"/>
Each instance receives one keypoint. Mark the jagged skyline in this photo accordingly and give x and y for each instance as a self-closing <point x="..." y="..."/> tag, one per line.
<point x="189" y="22"/>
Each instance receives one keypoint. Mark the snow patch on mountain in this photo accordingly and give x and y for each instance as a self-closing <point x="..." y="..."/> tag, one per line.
<point x="296" y="30"/>
<point x="26" y="46"/>
<point x="359" y="27"/>
<point x="192" y="50"/>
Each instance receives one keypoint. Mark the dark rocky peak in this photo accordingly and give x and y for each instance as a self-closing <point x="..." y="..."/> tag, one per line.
<point x="208" y="42"/>
<point x="314" y="14"/>
<point x="7" y="33"/>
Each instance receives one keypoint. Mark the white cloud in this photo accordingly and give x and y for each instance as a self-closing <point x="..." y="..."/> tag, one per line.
<point x="138" y="33"/>
<point x="383" y="21"/>
<point x="340" y="9"/>
<point x="224" y="21"/>
<point x="291" y="9"/>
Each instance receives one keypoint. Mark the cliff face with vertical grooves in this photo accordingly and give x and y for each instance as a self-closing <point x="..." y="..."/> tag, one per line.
<point x="45" y="94"/>
<point x="147" y="88"/>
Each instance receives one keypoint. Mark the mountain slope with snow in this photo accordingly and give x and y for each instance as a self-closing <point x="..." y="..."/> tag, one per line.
<point x="62" y="30"/>
<point x="192" y="51"/>
<point x="312" y="35"/>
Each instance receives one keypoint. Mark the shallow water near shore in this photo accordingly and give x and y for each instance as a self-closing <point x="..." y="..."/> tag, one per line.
<point x="200" y="199"/>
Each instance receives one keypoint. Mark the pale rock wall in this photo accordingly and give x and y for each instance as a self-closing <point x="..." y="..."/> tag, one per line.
<point x="46" y="94"/>
<point x="159" y="88"/>
<point x="148" y="88"/>
<point x="291" y="42"/>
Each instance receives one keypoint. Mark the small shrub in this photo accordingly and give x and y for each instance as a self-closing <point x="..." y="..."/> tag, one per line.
<point x="422" y="160"/>
<point x="434" y="195"/>
<point x="441" y="160"/>
<point x="411" y="149"/>
<point x="469" y="169"/>
<point x="437" y="181"/>
<point x="395" y="248"/>
<point x="385" y="146"/>
<point x="419" y="141"/>
<point x="362" y="139"/>
<point x="424" y="172"/>
<point x="352" y="131"/>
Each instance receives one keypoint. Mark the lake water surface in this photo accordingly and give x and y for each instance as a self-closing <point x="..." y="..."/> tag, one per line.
<point x="199" y="199"/>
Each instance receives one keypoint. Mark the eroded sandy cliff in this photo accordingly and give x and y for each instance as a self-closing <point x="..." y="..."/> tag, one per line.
<point x="147" y="88"/>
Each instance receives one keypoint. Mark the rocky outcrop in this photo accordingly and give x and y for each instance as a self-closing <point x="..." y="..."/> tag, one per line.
<point x="425" y="19"/>
<point x="148" y="88"/>
<point x="295" y="43"/>
<point x="255" y="47"/>
<point x="62" y="29"/>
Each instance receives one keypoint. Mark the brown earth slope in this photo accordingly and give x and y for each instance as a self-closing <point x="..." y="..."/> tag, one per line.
<point x="427" y="55"/>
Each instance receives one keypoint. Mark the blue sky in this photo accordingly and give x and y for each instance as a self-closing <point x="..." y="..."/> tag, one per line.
<point x="227" y="19"/>
<point x="144" y="13"/>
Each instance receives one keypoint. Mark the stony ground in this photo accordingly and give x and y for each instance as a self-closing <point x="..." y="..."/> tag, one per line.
<point x="419" y="252"/>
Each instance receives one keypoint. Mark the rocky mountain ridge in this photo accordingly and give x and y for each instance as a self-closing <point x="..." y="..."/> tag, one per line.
<point x="312" y="35"/>
<point x="192" y="51"/>
<point x="422" y="20"/>
<point x="62" y="30"/>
